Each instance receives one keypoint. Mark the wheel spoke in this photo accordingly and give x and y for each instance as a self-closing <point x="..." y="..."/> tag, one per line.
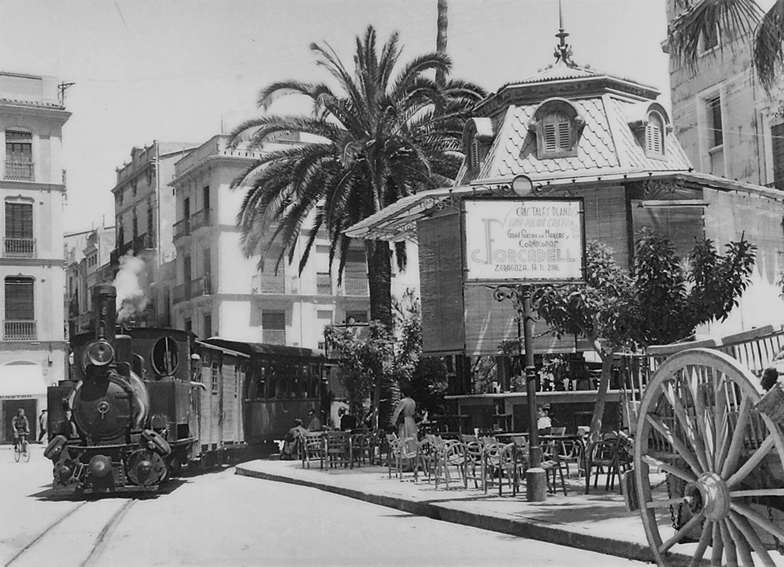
<point x="744" y="553"/>
<point x="703" y="418"/>
<point x="761" y="521"/>
<point x="717" y="546"/>
<point x="751" y="536"/>
<point x="774" y="429"/>
<point x="720" y="414"/>
<point x="737" y="439"/>
<point x="702" y="545"/>
<point x="729" y="545"/>
<point x="676" y="443"/>
<point x="672" y="469"/>
<point x="686" y="424"/>
<point x="752" y="492"/>
<point x="752" y="462"/>
<point x="680" y="534"/>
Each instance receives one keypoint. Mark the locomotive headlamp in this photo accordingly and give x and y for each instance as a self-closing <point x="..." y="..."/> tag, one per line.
<point x="100" y="353"/>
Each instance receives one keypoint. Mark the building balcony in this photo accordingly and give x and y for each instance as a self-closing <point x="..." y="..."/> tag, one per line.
<point x="200" y="219"/>
<point x="273" y="336"/>
<point x="182" y="228"/>
<point x="19" y="247"/>
<point x="355" y="286"/>
<point x="19" y="171"/>
<point x="201" y="286"/>
<point x="20" y="331"/>
<point x="268" y="284"/>
<point x="143" y="242"/>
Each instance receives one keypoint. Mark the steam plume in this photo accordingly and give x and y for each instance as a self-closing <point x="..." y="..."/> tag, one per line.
<point x="131" y="282"/>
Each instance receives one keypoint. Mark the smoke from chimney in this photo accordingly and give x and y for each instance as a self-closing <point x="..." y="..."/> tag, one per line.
<point x="131" y="284"/>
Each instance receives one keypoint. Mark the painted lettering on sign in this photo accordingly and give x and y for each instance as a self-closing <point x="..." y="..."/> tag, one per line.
<point x="524" y="240"/>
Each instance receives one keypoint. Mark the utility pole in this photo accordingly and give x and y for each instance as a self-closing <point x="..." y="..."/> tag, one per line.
<point x="61" y="88"/>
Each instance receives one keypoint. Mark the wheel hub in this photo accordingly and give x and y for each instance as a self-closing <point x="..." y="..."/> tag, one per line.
<point x="708" y="496"/>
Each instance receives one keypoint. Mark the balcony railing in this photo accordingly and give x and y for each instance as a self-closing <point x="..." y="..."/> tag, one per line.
<point x="143" y="242"/>
<point x="200" y="219"/>
<point x="273" y="336"/>
<point x="19" y="171"/>
<point x="323" y="285"/>
<point x="268" y="283"/>
<point x="201" y="286"/>
<point x="20" y="331"/>
<point x="182" y="228"/>
<point x="19" y="247"/>
<point x="355" y="286"/>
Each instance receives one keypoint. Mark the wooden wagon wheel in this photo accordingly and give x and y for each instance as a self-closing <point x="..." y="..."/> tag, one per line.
<point x="708" y="463"/>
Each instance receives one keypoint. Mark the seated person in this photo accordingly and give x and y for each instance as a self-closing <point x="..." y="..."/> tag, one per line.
<point x="543" y="422"/>
<point x="292" y="441"/>
<point x="314" y="423"/>
<point x="770" y="377"/>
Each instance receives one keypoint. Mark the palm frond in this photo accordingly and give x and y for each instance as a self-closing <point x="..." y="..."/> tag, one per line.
<point x="769" y="45"/>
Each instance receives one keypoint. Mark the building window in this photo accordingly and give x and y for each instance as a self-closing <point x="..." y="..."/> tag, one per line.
<point x="19" y="155"/>
<point x="135" y="225"/>
<point x="273" y="327"/>
<point x="133" y="189"/>
<point x="215" y="377"/>
<point x="323" y="283"/>
<point x="19" y="321"/>
<point x="120" y="233"/>
<point x="777" y="139"/>
<point x="557" y="133"/>
<point x="557" y="126"/>
<point x="150" y="225"/>
<point x="715" y="128"/>
<point x="654" y="135"/>
<point x="188" y="325"/>
<point x="207" y="325"/>
<point x="19" y="241"/>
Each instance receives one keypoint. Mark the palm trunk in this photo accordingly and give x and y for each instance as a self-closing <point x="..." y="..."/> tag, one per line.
<point x="601" y="398"/>
<point x="441" y="35"/>
<point x="379" y="261"/>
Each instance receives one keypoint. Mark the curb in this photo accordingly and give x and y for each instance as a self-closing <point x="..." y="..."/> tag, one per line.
<point x="529" y="529"/>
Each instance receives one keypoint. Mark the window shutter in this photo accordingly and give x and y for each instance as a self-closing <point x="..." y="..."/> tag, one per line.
<point x="777" y="135"/>
<point x="19" y="299"/>
<point x="18" y="220"/>
<point x="550" y="144"/>
<point x="564" y="136"/>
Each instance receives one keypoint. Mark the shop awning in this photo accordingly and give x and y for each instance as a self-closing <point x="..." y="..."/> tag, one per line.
<point x="21" y="381"/>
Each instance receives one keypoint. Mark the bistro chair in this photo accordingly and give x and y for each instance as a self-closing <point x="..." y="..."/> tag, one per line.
<point x="313" y="449"/>
<point x="338" y="449"/>
<point x="571" y="451"/>
<point x="552" y="465"/>
<point x="403" y="456"/>
<point x="475" y="464"/>
<point x="361" y="449"/>
<point x="450" y="460"/>
<point x="502" y="460"/>
<point x="602" y="458"/>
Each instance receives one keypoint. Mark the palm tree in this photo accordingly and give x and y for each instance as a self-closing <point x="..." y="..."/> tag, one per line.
<point x="384" y="133"/>
<point x="705" y="21"/>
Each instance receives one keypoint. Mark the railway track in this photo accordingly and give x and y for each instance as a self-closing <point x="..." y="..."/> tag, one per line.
<point x="78" y="538"/>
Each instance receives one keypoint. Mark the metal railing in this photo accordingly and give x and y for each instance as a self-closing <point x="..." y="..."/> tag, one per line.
<point x="268" y="283"/>
<point x="200" y="219"/>
<point x="355" y="286"/>
<point x="20" y="331"/>
<point x="323" y="284"/>
<point x="273" y="336"/>
<point x="19" y="171"/>
<point x="182" y="228"/>
<point x="201" y="286"/>
<point x="19" y="247"/>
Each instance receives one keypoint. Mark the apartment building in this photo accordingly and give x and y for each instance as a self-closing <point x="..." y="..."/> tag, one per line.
<point x="730" y="127"/>
<point x="33" y="349"/>
<point x="219" y="292"/>
<point x="144" y="215"/>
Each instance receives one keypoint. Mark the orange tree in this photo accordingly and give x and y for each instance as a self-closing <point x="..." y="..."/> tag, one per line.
<point x="662" y="300"/>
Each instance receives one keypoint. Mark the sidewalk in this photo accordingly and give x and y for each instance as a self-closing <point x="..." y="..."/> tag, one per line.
<point x="595" y="522"/>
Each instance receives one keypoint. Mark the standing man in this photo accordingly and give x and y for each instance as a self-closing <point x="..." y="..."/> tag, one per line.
<point x="20" y="425"/>
<point x="42" y="425"/>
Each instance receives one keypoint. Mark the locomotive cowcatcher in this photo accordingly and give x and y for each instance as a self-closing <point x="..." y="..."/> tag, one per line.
<point x="113" y="428"/>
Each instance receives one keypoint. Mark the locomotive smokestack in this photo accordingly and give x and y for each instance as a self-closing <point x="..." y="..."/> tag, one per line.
<point x="104" y="298"/>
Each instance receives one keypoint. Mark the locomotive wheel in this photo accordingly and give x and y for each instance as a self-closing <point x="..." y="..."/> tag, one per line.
<point x="707" y="463"/>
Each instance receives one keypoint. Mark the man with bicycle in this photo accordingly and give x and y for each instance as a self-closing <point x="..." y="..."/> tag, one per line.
<point x="21" y="427"/>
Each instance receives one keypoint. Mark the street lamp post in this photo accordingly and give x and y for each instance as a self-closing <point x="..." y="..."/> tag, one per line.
<point x="535" y="476"/>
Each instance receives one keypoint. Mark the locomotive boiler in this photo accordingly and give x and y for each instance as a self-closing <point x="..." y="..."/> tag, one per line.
<point x="118" y="426"/>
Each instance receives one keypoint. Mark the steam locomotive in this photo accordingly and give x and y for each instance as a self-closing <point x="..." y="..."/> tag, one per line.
<point x="145" y="402"/>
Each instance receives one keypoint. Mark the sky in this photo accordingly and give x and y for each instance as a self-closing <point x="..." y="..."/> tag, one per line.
<point x="176" y="70"/>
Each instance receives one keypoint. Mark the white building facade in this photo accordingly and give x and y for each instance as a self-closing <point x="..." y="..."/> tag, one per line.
<point x="33" y="349"/>
<point x="220" y="292"/>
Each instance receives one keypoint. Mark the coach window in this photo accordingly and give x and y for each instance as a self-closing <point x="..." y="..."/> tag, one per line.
<point x="165" y="356"/>
<point x="215" y="377"/>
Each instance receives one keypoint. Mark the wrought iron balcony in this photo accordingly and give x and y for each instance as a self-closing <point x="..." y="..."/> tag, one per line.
<point x="268" y="284"/>
<point x="201" y="286"/>
<point x="19" y="247"/>
<point x="19" y="171"/>
<point x="200" y="219"/>
<point x="20" y="331"/>
<point x="182" y="228"/>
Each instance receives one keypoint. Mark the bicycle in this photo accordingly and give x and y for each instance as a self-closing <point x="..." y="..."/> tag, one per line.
<point x="21" y="449"/>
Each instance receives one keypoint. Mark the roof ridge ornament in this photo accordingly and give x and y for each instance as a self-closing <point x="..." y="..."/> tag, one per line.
<point x="563" y="51"/>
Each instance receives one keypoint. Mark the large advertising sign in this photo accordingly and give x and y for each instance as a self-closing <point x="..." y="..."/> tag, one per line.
<point x="536" y="240"/>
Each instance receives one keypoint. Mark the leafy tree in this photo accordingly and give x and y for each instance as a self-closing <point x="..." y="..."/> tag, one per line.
<point x="661" y="301"/>
<point x="705" y="21"/>
<point x="387" y="131"/>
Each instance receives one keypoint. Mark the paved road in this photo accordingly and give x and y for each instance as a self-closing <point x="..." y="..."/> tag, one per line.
<point x="224" y="519"/>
